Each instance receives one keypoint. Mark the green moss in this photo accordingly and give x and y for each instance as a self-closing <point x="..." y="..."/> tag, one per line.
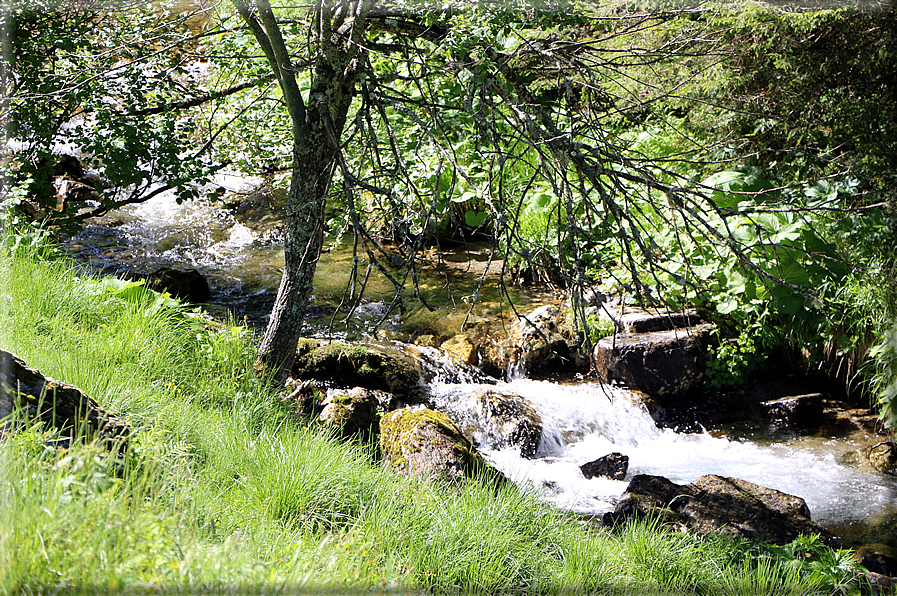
<point x="399" y="434"/>
<point x="343" y="399"/>
<point x="348" y="365"/>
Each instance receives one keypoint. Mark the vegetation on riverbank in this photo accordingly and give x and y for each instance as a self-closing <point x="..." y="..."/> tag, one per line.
<point x="779" y="119"/>
<point x="222" y="488"/>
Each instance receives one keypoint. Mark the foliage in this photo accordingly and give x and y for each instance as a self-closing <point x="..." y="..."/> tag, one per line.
<point x="737" y="161"/>
<point x="823" y="81"/>
<point x="93" y="83"/>
<point x="884" y="355"/>
<point x="832" y="571"/>
<point x="732" y="362"/>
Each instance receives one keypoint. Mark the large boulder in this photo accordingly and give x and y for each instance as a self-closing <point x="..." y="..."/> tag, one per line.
<point x="425" y="443"/>
<point x="340" y="364"/>
<point x="659" y="363"/>
<point x="716" y="504"/>
<point x="646" y="321"/>
<point x="28" y="395"/>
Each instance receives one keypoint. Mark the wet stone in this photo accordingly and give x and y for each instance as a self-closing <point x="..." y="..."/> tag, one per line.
<point x="661" y="363"/>
<point x="189" y="285"/>
<point x="794" y="412"/>
<point x="613" y="466"/>
<point x="460" y="350"/>
<point x="500" y="420"/>
<point x="717" y="505"/>
<point x="878" y="558"/>
<point x="883" y="457"/>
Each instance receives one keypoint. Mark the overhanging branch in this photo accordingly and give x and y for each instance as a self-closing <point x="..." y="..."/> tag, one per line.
<point x="201" y="99"/>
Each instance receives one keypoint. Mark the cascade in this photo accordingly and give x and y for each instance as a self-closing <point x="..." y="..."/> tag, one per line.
<point x="582" y="422"/>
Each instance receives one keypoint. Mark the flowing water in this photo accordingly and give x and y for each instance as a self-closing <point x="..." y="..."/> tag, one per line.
<point x="242" y="258"/>
<point x="581" y="422"/>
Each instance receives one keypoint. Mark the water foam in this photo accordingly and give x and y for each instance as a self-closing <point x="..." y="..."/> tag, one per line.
<point x="584" y="422"/>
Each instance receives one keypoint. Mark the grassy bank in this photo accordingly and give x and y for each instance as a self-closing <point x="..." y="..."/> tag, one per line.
<point x="222" y="488"/>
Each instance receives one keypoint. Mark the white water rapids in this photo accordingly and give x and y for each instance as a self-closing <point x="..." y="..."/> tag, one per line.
<point x="581" y="422"/>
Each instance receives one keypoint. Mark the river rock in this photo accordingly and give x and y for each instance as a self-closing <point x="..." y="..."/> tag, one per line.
<point x="538" y="344"/>
<point x="65" y="188"/>
<point x="878" y="558"/>
<point x="351" y="412"/>
<point x="425" y="443"/>
<point x="341" y="364"/>
<point x="72" y="194"/>
<point x="613" y="466"/>
<point x="460" y="350"/>
<point x="883" y="456"/>
<point x="26" y="392"/>
<point x="795" y="412"/>
<point x="189" y="285"/>
<point x="716" y="504"/>
<point x="880" y="584"/>
<point x="499" y="421"/>
<point x="660" y="363"/>
<point x="427" y="341"/>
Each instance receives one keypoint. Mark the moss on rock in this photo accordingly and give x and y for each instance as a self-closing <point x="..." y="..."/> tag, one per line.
<point x="340" y="364"/>
<point x="424" y="442"/>
<point x="350" y="413"/>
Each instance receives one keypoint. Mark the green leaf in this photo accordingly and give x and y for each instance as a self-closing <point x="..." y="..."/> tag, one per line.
<point x="727" y="306"/>
<point x="465" y="196"/>
<point x="475" y="219"/>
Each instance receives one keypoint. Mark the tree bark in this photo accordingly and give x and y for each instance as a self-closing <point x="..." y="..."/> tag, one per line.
<point x="311" y="176"/>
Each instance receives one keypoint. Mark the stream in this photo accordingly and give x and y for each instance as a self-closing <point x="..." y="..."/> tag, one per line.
<point x="581" y="421"/>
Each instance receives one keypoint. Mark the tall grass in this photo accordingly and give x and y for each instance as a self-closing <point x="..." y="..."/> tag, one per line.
<point x="222" y="488"/>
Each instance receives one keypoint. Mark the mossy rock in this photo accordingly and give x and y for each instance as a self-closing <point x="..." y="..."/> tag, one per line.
<point x="426" y="443"/>
<point x="27" y="395"/>
<point x="340" y="364"/>
<point x="350" y="413"/>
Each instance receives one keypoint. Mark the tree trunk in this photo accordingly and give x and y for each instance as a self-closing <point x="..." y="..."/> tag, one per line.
<point x="317" y="128"/>
<point x="311" y="176"/>
<point x="314" y="160"/>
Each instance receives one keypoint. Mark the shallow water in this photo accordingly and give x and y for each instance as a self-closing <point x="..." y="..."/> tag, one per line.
<point x="243" y="263"/>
